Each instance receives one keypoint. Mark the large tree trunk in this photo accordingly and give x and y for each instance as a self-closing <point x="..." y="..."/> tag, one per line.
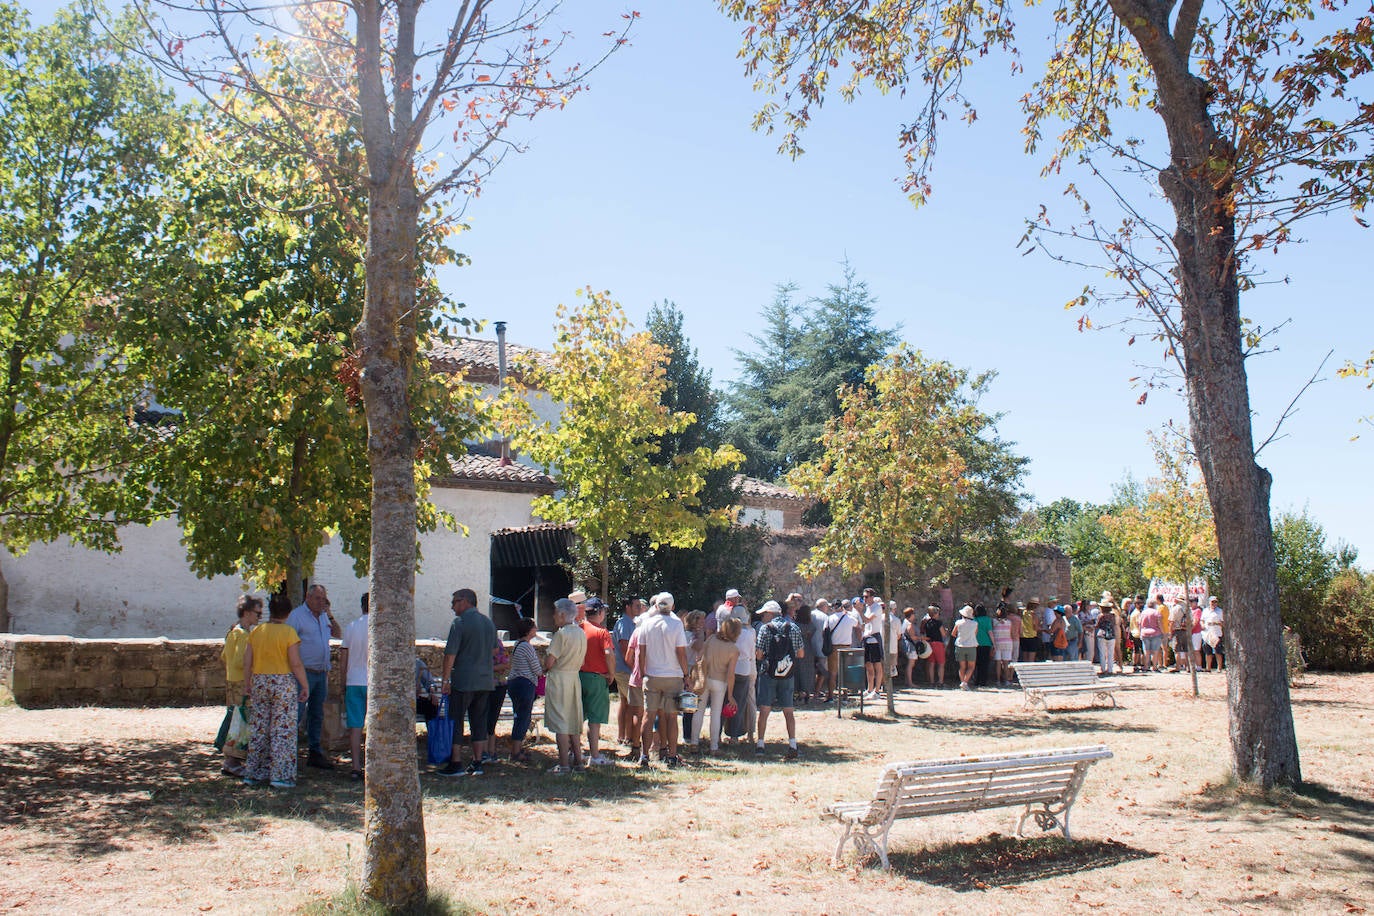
<point x="394" y="866"/>
<point x="1264" y="746"/>
<point x="394" y="863"/>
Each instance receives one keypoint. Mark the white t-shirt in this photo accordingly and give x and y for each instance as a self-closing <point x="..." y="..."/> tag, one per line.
<point x="965" y="633"/>
<point x="744" y="666"/>
<point x="661" y="636"/>
<point x="355" y="641"/>
<point x="873" y="620"/>
<point x="1212" y="619"/>
<point x="843" y="634"/>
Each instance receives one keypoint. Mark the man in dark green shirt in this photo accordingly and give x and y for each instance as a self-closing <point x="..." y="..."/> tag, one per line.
<point x="468" y="679"/>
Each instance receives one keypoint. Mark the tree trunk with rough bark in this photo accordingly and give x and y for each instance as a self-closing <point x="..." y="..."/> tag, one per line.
<point x="394" y="864"/>
<point x="1198" y="184"/>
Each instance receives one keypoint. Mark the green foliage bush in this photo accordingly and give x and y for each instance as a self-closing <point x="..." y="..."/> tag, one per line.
<point x="1339" y="635"/>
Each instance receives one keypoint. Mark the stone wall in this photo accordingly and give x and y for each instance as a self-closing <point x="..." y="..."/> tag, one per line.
<point x="1046" y="574"/>
<point x="52" y="671"/>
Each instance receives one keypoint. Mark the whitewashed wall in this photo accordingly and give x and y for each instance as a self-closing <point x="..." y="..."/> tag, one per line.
<point x="772" y="518"/>
<point x="148" y="589"/>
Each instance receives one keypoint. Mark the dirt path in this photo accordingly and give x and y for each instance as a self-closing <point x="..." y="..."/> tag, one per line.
<point x="125" y="810"/>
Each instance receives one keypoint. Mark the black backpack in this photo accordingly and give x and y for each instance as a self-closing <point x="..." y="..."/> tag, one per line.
<point x="778" y="657"/>
<point x="828" y="639"/>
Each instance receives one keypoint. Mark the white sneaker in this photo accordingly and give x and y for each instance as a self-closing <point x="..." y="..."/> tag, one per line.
<point x="599" y="761"/>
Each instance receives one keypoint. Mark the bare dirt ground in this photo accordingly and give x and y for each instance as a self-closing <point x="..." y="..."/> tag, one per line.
<point x="125" y="811"/>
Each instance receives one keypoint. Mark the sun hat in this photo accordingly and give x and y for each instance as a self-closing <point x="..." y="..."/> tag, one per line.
<point x="966" y="611"/>
<point x="578" y="597"/>
<point x="922" y="649"/>
<point x="770" y="607"/>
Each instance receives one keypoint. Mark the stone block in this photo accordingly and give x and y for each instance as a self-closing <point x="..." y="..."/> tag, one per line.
<point x="178" y="679"/>
<point x="94" y="680"/>
<point x="137" y="679"/>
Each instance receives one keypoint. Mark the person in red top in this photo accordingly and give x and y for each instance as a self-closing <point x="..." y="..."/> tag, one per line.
<point x="596" y="676"/>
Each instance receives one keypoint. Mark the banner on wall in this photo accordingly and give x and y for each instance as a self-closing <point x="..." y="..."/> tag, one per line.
<point x="1174" y="593"/>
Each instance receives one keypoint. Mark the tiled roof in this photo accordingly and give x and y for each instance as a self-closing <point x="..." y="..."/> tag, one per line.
<point x="485" y="471"/>
<point x="478" y="359"/>
<point x="535" y="528"/>
<point x="753" y="488"/>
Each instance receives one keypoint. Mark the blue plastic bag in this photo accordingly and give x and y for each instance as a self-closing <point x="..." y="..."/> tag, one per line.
<point x="440" y="734"/>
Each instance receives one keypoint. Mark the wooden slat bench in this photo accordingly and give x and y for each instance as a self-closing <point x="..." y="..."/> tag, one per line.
<point x="1040" y="680"/>
<point x="1046" y="782"/>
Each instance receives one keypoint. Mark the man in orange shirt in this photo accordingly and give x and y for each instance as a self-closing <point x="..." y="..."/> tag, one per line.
<point x="596" y="677"/>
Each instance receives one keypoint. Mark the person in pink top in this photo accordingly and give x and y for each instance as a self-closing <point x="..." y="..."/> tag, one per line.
<point x="1152" y="636"/>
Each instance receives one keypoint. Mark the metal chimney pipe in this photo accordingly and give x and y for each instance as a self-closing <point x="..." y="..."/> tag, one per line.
<point x="501" y="381"/>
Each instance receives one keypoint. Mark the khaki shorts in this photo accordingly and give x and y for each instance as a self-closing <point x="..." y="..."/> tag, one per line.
<point x="660" y="693"/>
<point x="630" y="696"/>
<point x="832" y="661"/>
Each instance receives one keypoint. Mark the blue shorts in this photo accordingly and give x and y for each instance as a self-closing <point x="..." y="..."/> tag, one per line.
<point x="774" y="692"/>
<point x="355" y="706"/>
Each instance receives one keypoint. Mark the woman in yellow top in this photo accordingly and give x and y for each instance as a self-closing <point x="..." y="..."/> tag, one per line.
<point x="235" y="644"/>
<point x="275" y="678"/>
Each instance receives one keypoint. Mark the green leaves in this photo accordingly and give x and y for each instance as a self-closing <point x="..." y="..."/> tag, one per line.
<point x="85" y="136"/>
<point x="611" y="382"/>
<point x="1171" y="528"/>
<point x="906" y="468"/>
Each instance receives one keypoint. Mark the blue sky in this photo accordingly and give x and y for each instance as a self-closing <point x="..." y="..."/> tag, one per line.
<point x="652" y="185"/>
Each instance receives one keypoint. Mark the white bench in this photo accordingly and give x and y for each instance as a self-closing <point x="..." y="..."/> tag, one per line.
<point x="1046" y="782"/>
<point x="1044" y="679"/>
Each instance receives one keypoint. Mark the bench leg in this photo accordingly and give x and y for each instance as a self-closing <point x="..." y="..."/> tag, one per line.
<point x="868" y="841"/>
<point x="873" y="841"/>
<point x="839" y="849"/>
<point x="1108" y="695"/>
<point x="1047" y="817"/>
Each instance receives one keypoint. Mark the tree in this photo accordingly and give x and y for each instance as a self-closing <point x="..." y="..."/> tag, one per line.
<point x="1234" y="94"/>
<point x="268" y="454"/>
<point x="765" y="403"/>
<point x="730" y="556"/>
<point x="604" y="450"/>
<point x="981" y="545"/>
<point x="891" y="470"/>
<point x="1306" y="568"/>
<point x="1172" y="530"/>
<point x="1099" y="564"/>
<point x="85" y="135"/>
<point x="374" y="68"/>
<point x="790" y="387"/>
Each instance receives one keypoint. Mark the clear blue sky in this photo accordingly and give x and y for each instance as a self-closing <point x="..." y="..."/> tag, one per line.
<point x="653" y="185"/>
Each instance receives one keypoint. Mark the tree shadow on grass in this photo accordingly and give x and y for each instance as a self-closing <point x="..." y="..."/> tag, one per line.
<point x="1003" y="861"/>
<point x="505" y="781"/>
<point x="1065" y="722"/>
<point x="1241" y="806"/>
<point x="89" y="799"/>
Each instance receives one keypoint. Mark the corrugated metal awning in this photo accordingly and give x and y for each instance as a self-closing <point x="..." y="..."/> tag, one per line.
<point x="535" y="545"/>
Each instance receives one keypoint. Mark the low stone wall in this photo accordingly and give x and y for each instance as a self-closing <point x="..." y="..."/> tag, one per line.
<point x="52" y="671"/>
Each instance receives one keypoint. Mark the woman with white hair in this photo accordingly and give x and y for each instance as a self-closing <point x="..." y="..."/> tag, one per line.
<point x="562" y="688"/>
<point x="741" y="725"/>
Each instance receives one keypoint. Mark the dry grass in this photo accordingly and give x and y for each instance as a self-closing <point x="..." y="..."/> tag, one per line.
<point x="126" y="810"/>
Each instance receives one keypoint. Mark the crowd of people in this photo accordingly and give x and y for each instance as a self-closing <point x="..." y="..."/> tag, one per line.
<point x="691" y="680"/>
